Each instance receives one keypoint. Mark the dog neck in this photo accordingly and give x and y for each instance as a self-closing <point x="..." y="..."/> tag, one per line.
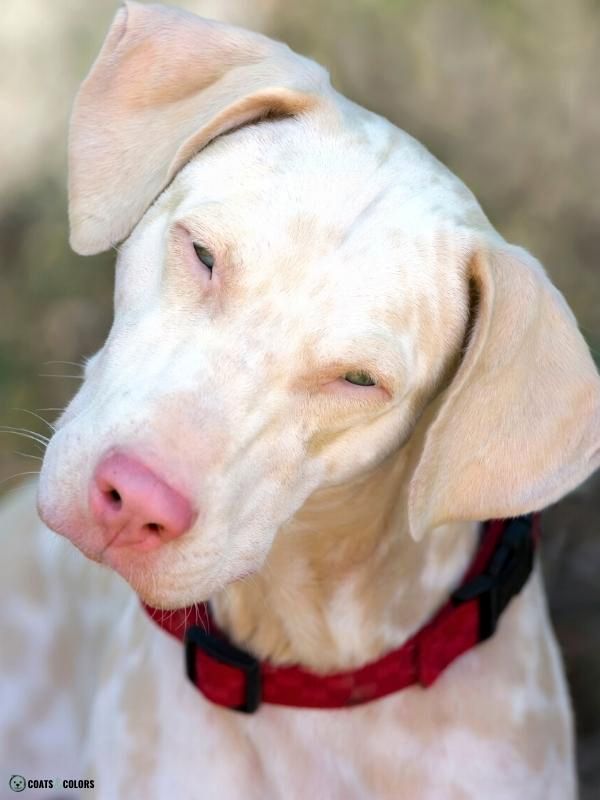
<point x="344" y="581"/>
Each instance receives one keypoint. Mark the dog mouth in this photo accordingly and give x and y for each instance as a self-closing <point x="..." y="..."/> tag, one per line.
<point x="163" y="578"/>
<point x="163" y="584"/>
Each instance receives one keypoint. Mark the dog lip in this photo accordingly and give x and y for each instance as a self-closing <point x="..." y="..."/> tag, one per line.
<point x="247" y="573"/>
<point x="61" y="524"/>
<point x="78" y="531"/>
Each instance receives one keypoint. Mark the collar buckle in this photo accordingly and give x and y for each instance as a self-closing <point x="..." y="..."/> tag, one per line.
<point x="221" y="650"/>
<point x="504" y="577"/>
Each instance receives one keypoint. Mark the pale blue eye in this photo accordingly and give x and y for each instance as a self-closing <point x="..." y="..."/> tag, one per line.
<point x="204" y="256"/>
<point x="359" y="378"/>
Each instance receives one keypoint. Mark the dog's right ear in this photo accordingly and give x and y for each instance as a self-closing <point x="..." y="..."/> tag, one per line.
<point x="165" y="84"/>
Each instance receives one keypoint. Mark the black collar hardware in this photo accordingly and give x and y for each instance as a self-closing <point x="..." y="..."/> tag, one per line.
<point x="504" y="577"/>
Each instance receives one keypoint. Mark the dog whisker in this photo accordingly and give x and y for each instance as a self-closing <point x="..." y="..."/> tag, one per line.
<point x="13" y="429"/>
<point x="199" y="617"/>
<point x="19" y="475"/>
<point x="28" y="455"/>
<point x="38" y="438"/>
<point x="37" y="416"/>
<point x="49" y="375"/>
<point x="78" y="364"/>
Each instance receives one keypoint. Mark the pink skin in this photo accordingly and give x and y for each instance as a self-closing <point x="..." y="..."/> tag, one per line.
<point x="133" y="507"/>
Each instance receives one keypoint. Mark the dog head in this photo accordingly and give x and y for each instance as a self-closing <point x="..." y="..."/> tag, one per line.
<point x="297" y="282"/>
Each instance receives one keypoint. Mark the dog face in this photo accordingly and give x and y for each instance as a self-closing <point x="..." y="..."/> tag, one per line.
<point x="230" y="382"/>
<point x="287" y="304"/>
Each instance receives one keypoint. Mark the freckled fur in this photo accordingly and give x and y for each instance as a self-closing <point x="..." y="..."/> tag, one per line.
<point x="339" y="243"/>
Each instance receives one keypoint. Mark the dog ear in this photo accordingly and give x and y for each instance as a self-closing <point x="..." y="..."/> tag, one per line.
<point x="519" y="425"/>
<point x="164" y="85"/>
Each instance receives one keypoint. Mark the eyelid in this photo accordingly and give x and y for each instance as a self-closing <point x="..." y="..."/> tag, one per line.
<point x="329" y="381"/>
<point x="352" y="391"/>
<point x="362" y="373"/>
<point x="185" y="263"/>
<point x="197" y="234"/>
<point x="204" y="255"/>
<point x="194" y="232"/>
<point x="370" y="369"/>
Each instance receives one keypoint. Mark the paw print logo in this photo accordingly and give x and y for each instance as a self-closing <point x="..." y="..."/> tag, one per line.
<point x="17" y="783"/>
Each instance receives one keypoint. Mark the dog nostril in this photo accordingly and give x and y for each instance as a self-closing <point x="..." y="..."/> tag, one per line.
<point x="114" y="497"/>
<point x="154" y="527"/>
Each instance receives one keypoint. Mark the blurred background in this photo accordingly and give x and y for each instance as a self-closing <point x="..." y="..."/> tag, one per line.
<point x="505" y="92"/>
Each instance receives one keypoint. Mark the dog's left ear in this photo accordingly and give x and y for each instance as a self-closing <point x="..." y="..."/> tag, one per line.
<point x="165" y="84"/>
<point x="519" y="425"/>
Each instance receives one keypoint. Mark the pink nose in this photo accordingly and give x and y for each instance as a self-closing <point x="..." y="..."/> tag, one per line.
<point x="134" y="506"/>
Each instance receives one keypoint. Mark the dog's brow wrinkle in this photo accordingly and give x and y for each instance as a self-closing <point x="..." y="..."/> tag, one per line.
<point x="364" y="213"/>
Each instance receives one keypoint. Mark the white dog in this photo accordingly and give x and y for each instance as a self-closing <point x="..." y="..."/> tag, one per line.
<point x="326" y="369"/>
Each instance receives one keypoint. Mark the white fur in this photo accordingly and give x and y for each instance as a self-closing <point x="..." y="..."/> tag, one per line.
<point x="340" y="244"/>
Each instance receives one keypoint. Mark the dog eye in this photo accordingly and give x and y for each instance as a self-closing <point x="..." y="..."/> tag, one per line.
<point x="359" y="378"/>
<point x="204" y="256"/>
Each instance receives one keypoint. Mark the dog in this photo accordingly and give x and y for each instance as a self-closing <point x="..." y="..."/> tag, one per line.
<point x="326" y="371"/>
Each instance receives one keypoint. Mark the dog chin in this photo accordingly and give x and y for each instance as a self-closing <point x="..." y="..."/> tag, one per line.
<point x="155" y="585"/>
<point x="166" y="595"/>
<point x="166" y="600"/>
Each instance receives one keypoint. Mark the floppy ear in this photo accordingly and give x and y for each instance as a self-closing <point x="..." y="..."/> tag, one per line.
<point x="519" y="425"/>
<point x="164" y="85"/>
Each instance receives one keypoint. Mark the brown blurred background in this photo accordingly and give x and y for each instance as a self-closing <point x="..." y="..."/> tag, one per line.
<point x="505" y="92"/>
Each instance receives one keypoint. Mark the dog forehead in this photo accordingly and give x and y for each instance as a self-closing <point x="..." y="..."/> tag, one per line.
<point x="296" y="190"/>
<point x="337" y="169"/>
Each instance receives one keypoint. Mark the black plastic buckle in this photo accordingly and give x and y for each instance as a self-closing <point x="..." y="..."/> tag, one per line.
<point x="506" y="574"/>
<point x="226" y="653"/>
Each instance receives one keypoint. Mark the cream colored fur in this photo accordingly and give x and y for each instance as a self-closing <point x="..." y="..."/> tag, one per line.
<point x="333" y="519"/>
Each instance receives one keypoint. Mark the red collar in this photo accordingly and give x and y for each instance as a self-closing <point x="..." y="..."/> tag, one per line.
<point x="233" y="678"/>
